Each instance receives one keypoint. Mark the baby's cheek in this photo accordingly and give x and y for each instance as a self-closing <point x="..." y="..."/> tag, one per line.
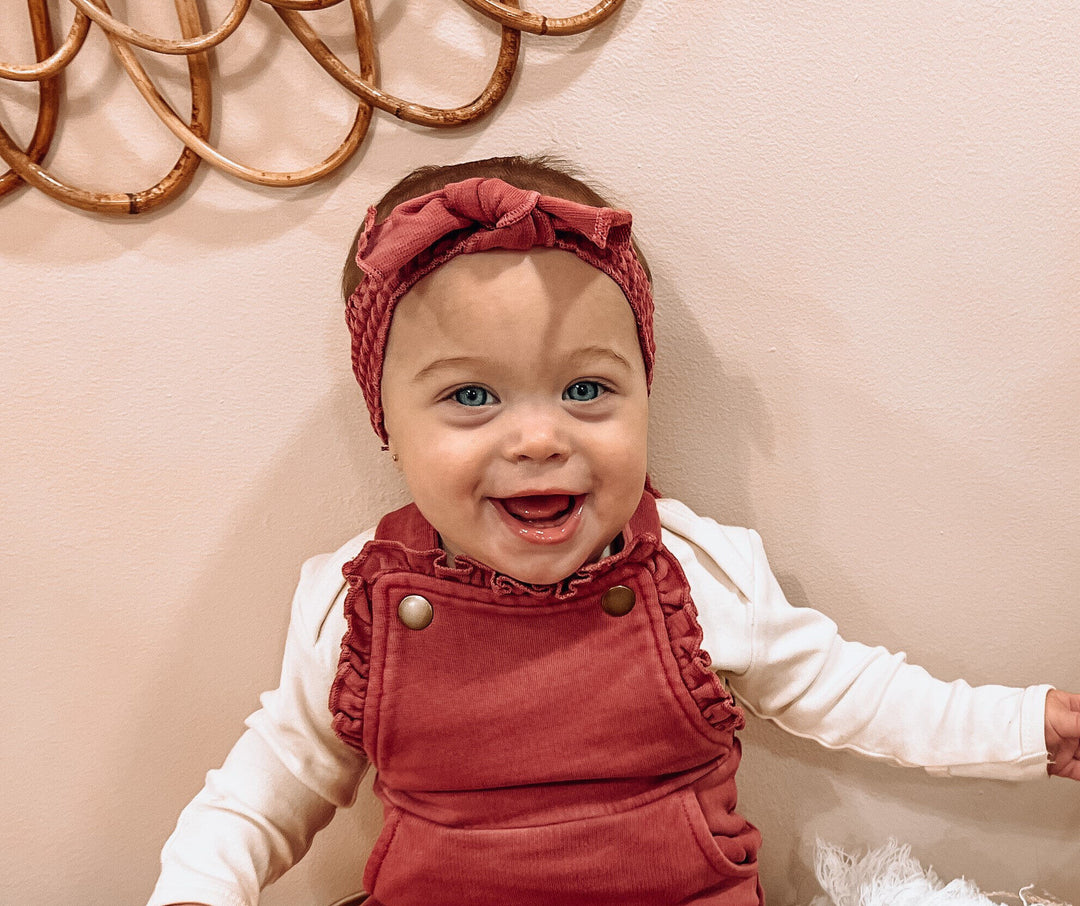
<point x="631" y="446"/>
<point x="456" y="449"/>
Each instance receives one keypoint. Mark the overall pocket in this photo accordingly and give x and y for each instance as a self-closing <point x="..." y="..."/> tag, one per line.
<point x="656" y="854"/>
<point x="730" y="845"/>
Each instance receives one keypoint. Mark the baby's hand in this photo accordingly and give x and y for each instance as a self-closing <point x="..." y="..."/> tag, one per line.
<point x="1063" y="734"/>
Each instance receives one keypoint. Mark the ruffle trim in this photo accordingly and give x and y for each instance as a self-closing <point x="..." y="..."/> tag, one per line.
<point x="708" y="691"/>
<point x="348" y="691"/>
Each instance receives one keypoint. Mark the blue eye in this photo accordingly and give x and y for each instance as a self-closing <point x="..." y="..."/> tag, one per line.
<point x="582" y="391"/>
<point x="473" y="396"/>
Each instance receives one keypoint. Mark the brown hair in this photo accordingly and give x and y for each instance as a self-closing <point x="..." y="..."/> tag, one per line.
<point x="543" y="174"/>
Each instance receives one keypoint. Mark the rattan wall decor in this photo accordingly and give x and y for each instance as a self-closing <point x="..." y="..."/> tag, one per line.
<point x="196" y="45"/>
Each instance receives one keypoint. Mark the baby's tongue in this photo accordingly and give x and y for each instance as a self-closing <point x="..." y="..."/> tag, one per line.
<point x="539" y="506"/>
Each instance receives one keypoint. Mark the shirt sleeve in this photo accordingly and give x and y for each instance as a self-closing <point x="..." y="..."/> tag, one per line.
<point x="791" y="666"/>
<point x="281" y="783"/>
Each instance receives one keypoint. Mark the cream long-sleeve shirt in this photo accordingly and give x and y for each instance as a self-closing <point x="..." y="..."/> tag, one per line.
<point x="284" y="778"/>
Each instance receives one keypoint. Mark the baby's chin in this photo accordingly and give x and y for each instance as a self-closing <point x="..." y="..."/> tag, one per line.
<point x="543" y="570"/>
<point x="539" y="577"/>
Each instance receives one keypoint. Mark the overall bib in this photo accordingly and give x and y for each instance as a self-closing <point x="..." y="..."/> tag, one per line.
<point x="562" y="744"/>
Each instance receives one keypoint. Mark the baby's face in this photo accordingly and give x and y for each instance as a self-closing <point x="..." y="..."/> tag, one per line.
<point x="515" y="400"/>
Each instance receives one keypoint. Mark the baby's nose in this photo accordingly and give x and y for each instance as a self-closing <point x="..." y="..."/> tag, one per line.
<point x="537" y="436"/>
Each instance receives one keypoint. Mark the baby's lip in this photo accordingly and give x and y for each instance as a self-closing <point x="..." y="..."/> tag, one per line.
<point x="546" y="518"/>
<point x="548" y="507"/>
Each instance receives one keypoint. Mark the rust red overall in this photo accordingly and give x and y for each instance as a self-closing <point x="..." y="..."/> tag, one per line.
<point x="530" y="747"/>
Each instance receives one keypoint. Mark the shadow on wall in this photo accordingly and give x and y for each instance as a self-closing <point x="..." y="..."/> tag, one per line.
<point x="707" y="468"/>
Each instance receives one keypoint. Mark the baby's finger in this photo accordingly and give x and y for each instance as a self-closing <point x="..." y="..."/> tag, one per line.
<point x="1069" y="768"/>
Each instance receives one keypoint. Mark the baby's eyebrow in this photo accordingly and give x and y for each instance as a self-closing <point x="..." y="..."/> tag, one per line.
<point x="578" y="358"/>
<point x="591" y="353"/>
<point x="461" y="361"/>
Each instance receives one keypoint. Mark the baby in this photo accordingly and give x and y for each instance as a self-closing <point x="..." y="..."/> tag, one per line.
<point x="522" y="651"/>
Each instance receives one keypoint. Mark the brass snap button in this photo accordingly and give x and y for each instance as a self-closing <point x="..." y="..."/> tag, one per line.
<point x="415" y="611"/>
<point x="618" y="601"/>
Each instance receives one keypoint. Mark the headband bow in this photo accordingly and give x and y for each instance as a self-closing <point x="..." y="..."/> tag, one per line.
<point x="477" y="215"/>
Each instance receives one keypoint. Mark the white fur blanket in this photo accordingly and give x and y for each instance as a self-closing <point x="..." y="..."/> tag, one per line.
<point x="891" y="876"/>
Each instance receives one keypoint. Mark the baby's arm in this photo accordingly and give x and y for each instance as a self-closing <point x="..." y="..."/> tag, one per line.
<point x="791" y="665"/>
<point x="257" y="814"/>
<point x="807" y="678"/>
<point x="1063" y="734"/>
<point x="251" y="822"/>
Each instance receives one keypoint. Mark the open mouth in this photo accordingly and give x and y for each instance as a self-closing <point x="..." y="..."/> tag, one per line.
<point x="542" y="519"/>
<point x="540" y="510"/>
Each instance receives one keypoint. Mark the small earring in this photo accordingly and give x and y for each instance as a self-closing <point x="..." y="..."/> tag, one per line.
<point x="393" y="456"/>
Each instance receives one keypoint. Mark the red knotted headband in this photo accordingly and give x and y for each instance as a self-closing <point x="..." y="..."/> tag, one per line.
<point x="476" y="215"/>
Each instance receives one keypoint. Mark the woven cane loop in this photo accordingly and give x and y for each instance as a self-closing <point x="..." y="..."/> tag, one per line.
<point x="193" y="129"/>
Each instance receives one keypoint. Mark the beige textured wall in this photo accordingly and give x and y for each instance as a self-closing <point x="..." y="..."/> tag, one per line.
<point x="864" y="220"/>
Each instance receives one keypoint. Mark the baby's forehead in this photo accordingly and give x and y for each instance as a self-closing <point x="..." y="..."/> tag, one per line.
<point x="517" y="298"/>
<point x="531" y="276"/>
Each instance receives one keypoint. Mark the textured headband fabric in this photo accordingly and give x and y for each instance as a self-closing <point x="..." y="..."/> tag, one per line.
<point x="476" y="215"/>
